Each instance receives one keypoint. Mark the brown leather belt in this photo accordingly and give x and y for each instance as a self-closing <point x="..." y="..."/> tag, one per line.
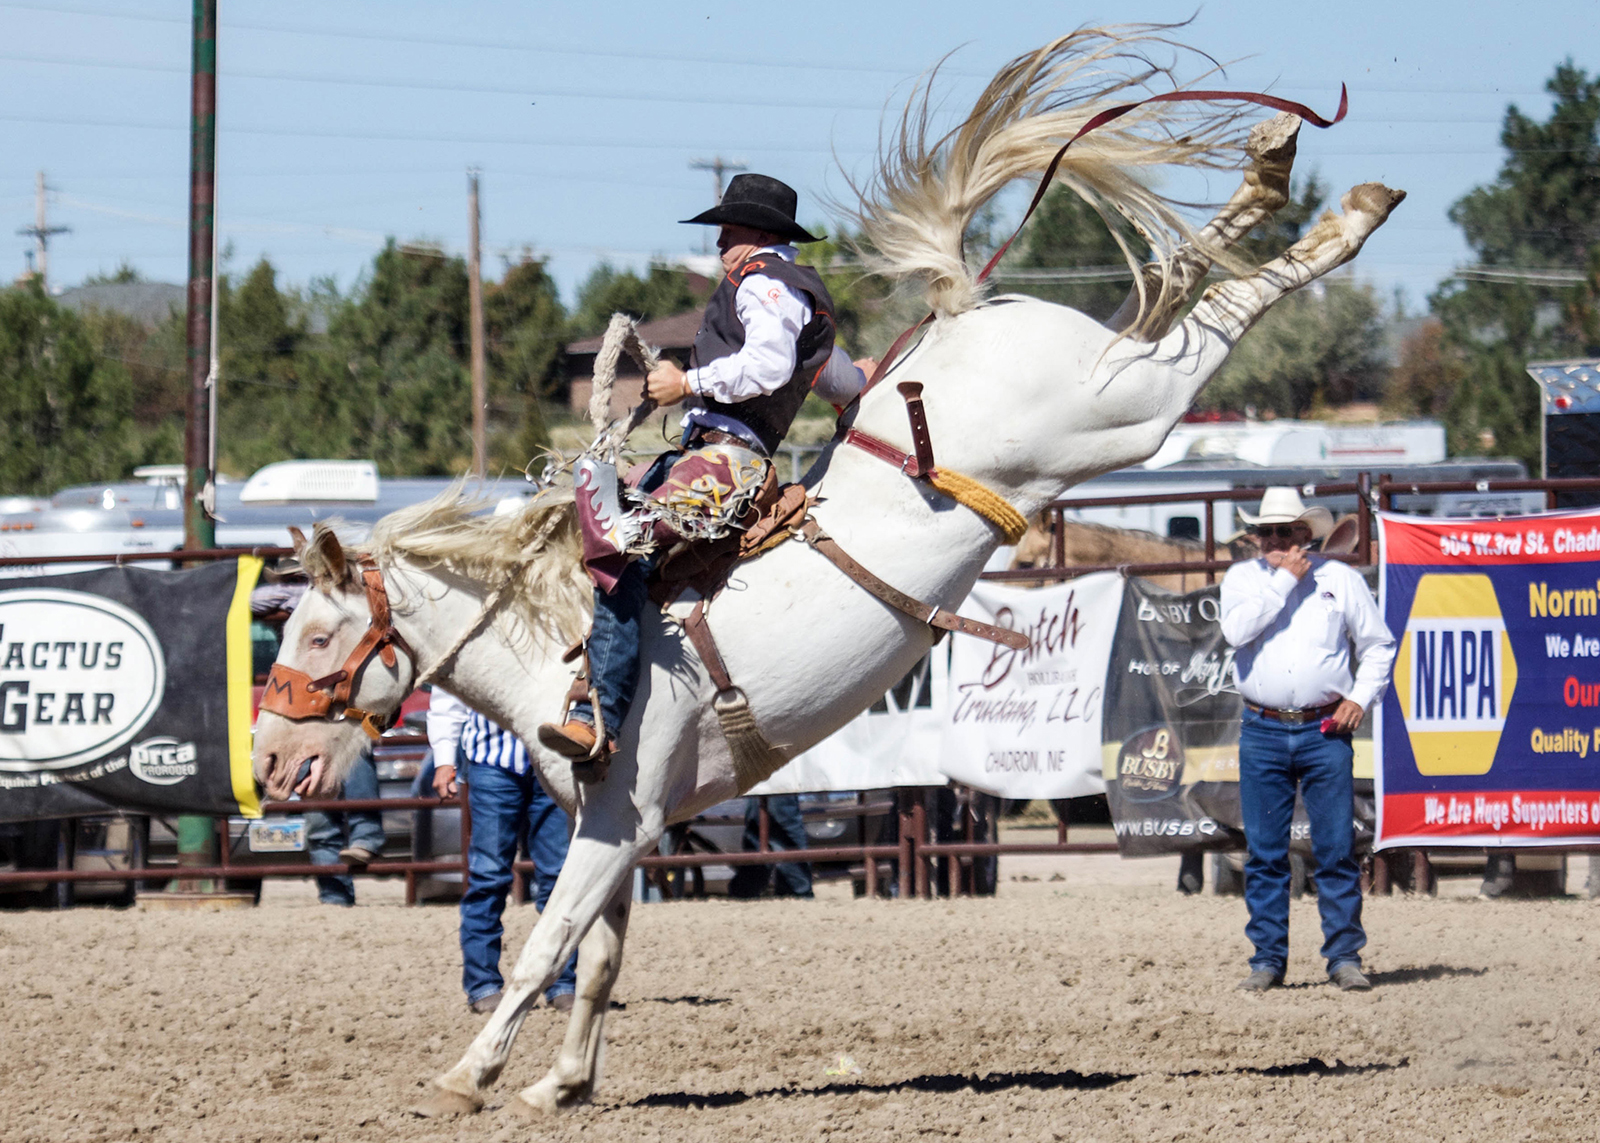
<point x="717" y="436"/>
<point x="1296" y="717"/>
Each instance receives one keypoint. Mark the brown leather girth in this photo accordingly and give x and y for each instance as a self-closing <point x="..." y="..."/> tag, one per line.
<point x="812" y="533"/>
<point x="705" y="645"/>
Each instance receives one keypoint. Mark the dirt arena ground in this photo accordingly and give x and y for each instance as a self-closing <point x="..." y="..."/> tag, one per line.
<point x="1096" y="1007"/>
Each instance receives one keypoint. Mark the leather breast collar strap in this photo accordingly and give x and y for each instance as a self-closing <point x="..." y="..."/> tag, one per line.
<point x="296" y="695"/>
<point x="811" y="532"/>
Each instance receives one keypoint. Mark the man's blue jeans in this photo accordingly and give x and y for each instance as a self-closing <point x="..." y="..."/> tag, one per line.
<point x="787" y="830"/>
<point x="326" y="833"/>
<point x="1273" y="759"/>
<point x="506" y="808"/>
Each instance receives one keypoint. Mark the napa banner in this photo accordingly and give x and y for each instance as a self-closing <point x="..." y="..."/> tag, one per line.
<point x="127" y="689"/>
<point x="1488" y="733"/>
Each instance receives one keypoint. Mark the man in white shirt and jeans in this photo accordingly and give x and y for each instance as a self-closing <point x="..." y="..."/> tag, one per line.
<point x="1292" y="617"/>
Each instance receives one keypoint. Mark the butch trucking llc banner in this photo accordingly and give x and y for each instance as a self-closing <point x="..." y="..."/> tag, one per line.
<point x="1488" y="734"/>
<point x="127" y="688"/>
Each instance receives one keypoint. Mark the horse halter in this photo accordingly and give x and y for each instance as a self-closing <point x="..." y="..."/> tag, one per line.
<point x="296" y="695"/>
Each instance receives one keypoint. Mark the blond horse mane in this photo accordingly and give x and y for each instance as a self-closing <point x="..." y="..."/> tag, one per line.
<point x="915" y="211"/>
<point x="536" y="551"/>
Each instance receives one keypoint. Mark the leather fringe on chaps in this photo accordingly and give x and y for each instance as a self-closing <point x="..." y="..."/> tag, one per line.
<point x="754" y="758"/>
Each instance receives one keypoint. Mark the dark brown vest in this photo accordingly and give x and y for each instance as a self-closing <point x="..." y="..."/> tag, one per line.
<point x="722" y="334"/>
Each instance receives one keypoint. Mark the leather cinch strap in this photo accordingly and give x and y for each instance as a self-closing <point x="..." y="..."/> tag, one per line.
<point x="811" y="532"/>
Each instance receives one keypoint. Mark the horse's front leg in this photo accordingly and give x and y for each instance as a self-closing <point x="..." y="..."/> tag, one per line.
<point x="577" y="1068"/>
<point x="596" y="870"/>
<point x="1271" y="148"/>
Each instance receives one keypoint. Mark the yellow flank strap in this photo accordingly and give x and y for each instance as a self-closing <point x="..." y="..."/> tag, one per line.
<point x="982" y="499"/>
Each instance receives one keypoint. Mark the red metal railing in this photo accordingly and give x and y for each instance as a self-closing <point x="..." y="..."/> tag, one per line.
<point x="913" y="853"/>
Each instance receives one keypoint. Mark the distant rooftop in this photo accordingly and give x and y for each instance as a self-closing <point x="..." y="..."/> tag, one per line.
<point x="149" y="303"/>
<point x="675" y="332"/>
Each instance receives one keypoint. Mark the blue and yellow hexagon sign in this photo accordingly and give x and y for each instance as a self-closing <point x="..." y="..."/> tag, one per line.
<point x="1454" y="674"/>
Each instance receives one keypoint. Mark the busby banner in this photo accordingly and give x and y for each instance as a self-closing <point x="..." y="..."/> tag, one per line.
<point x="1488" y="734"/>
<point x="127" y="689"/>
<point x="1171" y="744"/>
<point x="1171" y="749"/>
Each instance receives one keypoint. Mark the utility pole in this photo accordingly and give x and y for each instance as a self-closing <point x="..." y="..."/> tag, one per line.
<point x="199" y="531"/>
<point x="197" y="834"/>
<point x="718" y="166"/>
<point x="480" y="396"/>
<point x="40" y="232"/>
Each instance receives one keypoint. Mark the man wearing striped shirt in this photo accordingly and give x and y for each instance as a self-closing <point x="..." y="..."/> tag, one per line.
<point x="507" y="804"/>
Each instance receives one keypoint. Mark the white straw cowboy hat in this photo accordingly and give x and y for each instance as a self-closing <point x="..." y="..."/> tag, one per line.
<point x="1284" y="506"/>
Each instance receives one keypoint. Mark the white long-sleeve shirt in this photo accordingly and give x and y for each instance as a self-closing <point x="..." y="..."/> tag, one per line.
<point x="1292" y="637"/>
<point x="458" y="733"/>
<point x="773" y="316"/>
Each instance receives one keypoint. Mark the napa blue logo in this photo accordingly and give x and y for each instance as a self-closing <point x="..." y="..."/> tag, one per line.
<point x="1454" y="674"/>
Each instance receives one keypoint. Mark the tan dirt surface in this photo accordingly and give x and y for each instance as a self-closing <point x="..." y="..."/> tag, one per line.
<point x="1100" y="1006"/>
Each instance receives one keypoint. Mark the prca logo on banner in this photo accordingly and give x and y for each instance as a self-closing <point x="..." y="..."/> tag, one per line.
<point x="80" y="676"/>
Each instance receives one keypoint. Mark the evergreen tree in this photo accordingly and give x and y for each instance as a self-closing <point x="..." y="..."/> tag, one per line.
<point x="403" y="341"/>
<point x="664" y="291"/>
<point x="526" y="328"/>
<point x="1542" y="212"/>
<point x="64" y="413"/>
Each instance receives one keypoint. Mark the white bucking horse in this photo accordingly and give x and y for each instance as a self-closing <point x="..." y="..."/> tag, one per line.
<point x="1023" y="397"/>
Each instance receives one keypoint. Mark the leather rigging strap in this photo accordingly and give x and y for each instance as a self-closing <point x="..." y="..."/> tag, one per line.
<point x="811" y="532"/>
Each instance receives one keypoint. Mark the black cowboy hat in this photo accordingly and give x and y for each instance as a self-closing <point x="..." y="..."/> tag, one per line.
<point x="760" y="203"/>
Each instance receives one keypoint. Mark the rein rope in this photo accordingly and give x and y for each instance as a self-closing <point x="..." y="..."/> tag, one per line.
<point x="622" y="334"/>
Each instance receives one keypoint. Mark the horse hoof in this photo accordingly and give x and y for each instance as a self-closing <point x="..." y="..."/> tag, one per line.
<point x="547" y="1098"/>
<point x="443" y="1104"/>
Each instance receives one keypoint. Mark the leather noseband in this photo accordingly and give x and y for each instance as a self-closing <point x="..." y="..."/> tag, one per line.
<point x="296" y="695"/>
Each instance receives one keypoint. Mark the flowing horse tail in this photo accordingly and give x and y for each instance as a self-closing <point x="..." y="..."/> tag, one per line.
<point x="915" y="211"/>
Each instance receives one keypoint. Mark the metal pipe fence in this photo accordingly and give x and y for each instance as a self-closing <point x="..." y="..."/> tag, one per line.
<point x="914" y="853"/>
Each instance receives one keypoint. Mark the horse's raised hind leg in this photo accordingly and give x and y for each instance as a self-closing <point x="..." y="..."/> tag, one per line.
<point x="1230" y="308"/>
<point x="577" y="1068"/>
<point x="596" y="870"/>
<point x="1271" y="148"/>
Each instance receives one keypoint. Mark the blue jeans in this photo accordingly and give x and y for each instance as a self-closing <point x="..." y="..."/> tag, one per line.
<point x="614" y="638"/>
<point x="327" y="834"/>
<point x="787" y="831"/>
<point x="507" y="808"/>
<point x="1273" y="759"/>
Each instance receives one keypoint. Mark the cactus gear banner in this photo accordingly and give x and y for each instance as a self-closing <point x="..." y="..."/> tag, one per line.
<point x="127" y="689"/>
<point x="1488" y="733"/>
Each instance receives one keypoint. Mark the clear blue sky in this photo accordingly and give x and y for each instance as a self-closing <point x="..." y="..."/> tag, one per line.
<point x="343" y="123"/>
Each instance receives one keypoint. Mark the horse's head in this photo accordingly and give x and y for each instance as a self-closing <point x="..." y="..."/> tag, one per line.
<point x="336" y="681"/>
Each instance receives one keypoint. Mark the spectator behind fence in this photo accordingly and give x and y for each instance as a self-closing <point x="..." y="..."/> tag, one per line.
<point x="354" y="837"/>
<point x="509" y="807"/>
<point x="1291" y="617"/>
<point x="787" y="831"/>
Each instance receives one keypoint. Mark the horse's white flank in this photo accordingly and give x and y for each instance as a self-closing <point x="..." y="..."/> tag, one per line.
<point x="1025" y="396"/>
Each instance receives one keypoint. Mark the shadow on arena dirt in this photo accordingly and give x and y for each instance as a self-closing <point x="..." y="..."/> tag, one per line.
<point x="999" y="1081"/>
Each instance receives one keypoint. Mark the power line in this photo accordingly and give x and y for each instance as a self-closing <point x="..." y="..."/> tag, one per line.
<point x="402" y="137"/>
<point x="477" y="89"/>
<point x="766" y="62"/>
